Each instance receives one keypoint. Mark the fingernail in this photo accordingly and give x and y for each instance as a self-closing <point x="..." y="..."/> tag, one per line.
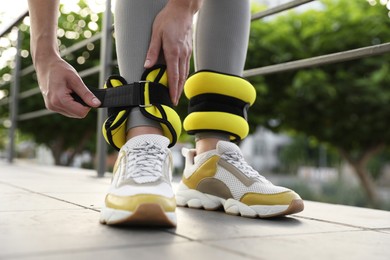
<point x="147" y="63"/>
<point x="176" y="100"/>
<point x="96" y="101"/>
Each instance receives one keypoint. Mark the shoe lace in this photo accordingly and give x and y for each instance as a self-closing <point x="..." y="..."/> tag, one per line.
<point x="237" y="160"/>
<point x="145" y="160"/>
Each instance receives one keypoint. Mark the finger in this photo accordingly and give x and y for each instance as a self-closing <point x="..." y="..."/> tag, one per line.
<point x="83" y="92"/>
<point x="71" y="108"/>
<point x="185" y="67"/>
<point x="173" y="76"/>
<point x="182" y="78"/>
<point x="87" y="98"/>
<point x="66" y="107"/>
<point x="187" y="71"/>
<point x="184" y="70"/>
<point x="72" y="115"/>
<point x="62" y="102"/>
<point x="153" y="51"/>
<point x="188" y="63"/>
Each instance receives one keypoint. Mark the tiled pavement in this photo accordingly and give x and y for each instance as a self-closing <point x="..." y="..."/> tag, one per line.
<point x="52" y="213"/>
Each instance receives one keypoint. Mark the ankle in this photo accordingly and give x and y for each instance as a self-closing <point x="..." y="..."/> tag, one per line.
<point x="206" y="144"/>
<point x="207" y="141"/>
<point x="143" y="130"/>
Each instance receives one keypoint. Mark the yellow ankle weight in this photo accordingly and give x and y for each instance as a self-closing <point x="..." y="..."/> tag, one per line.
<point x="154" y="103"/>
<point x="218" y="102"/>
<point x="165" y="115"/>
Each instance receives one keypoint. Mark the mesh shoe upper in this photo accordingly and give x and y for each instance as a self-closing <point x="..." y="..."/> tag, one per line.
<point x="144" y="166"/>
<point x="140" y="192"/>
<point x="231" y="173"/>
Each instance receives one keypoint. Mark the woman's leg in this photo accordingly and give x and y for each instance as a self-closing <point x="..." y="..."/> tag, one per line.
<point x="141" y="192"/>
<point x="133" y="28"/>
<point x="221" y="36"/>
<point x="220" y="44"/>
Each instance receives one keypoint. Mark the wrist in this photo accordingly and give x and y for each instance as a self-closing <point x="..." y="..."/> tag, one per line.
<point x="44" y="50"/>
<point x="45" y="59"/>
<point x="192" y="6"/>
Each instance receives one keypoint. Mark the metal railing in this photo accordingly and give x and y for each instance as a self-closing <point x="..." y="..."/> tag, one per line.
<point x="106" y="64"/>
<point x="103" y="69"/>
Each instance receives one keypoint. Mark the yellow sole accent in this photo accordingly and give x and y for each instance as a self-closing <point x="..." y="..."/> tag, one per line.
<point x="131" y="203"/>
<point x="146" y="215"/>
<point x="295" y="206"/>
<point x="284" y="198"/>
<point x="206" y="170"/>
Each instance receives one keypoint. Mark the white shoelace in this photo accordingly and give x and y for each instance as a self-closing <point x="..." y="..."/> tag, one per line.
<point x="146" y="160"/>
<point x="237" y="160"/>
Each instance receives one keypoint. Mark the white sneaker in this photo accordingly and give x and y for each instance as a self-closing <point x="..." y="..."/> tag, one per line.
<point x="141" y="191"/>
<point x="222" y="178"/>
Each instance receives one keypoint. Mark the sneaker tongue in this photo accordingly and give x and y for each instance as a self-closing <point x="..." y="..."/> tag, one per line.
<point x="225" y="146"/>
<point x="140" y="140"/>
<point x="143" y="170"/>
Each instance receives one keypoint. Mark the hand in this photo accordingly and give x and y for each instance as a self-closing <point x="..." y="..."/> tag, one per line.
<point x="57" y="80"/>
<point x="172" y="33"/>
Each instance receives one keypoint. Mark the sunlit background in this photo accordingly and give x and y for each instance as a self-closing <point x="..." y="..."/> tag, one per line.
<point x="20" y="6"/>
<point x="86" y="28"/>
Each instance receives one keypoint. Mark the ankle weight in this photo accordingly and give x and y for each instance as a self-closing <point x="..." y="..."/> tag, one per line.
<point x="218" y="102"/>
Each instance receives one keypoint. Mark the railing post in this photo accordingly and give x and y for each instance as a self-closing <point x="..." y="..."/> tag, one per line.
<point x="14" y="100"/>
<point x="105" y="70"/>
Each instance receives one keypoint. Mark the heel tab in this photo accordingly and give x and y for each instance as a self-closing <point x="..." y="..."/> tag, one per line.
<point x="185" y="151"/>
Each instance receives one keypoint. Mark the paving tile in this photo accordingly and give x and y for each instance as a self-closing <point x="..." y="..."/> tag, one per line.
<point x="59" y="186"/>
<point x="340" y="245"/>
<point x="7" y="189"/>
<point x="10" y="202"/>
<point x="49" y="170"/>
<point x="187" y="251"/>
<point x="42" y="216"/>
<point x="89" y="200"/>
<point x="205" y="225"/>
<point x="362" y="217"/>
<point x="387" y="230"/>
<point x="55" y="183"/>
<point x="47" y="231"/>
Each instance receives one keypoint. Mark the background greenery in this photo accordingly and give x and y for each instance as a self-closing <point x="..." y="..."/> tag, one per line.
<point x="343" y="107"/>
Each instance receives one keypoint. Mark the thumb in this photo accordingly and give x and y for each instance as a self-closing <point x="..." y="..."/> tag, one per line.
<point x="84" y="94"/>
<point x="90" y="99"/>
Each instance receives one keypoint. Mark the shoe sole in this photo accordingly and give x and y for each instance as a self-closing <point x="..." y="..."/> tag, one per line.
<point x="147" y="214"/>
<point x="195" y="199"/>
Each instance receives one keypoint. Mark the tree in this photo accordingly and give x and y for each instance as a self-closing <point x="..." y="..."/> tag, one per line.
<point x="56" y="131"/>
<point x="344" y="104"/>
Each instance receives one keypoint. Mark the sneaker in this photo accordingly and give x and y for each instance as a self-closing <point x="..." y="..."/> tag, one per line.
<point x="141" y="192"/>
<point x="222" y="178"/>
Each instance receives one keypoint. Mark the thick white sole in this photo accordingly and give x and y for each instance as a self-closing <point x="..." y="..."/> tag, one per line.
<point x="144" y="215"/>
<point x="186" y="197"/>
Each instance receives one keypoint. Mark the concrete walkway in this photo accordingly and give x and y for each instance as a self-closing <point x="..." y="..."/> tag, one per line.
<point x="52" y="213"/>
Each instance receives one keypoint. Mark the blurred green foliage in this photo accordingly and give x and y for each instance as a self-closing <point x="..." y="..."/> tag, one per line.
<point x="343" y="105"/>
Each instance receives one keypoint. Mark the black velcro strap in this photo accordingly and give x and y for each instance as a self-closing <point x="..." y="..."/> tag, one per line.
<point x="159" y="94"/>
<point x="218" y="102"/>
<point x="129" y="95"/>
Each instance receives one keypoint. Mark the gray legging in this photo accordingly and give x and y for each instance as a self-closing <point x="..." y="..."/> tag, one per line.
<point x="220" y="40"/>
